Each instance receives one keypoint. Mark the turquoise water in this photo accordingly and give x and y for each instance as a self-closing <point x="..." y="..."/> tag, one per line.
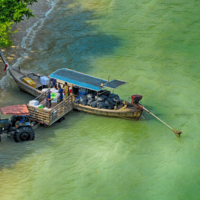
<point x="154" y="45"/>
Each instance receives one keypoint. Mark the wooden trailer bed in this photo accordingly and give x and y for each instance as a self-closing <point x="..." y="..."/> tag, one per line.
<point x="50" y="116"/>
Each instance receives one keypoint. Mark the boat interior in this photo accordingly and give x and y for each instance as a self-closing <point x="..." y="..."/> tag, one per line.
<point x="22" y="73"/>
<point x="36" y="78"/>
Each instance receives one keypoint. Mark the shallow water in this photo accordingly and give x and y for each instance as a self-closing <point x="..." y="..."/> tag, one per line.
<point x="154" y="45"/>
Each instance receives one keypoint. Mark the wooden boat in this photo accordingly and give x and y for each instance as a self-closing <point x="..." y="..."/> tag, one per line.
<point x="124" y="111"/>
<point x="18" y="74"/>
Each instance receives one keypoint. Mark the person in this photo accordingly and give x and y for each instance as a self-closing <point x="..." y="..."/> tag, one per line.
<point x="60" y="91"/>
<point x="53" y="83"/>
<point x="48" y="99"/>
<point x="66" y="90"/>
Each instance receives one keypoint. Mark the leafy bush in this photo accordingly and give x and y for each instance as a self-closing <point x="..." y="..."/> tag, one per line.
<point x="12" y="11"/>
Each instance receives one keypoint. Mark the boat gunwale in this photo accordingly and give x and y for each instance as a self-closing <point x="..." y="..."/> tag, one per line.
<point x="125" y="110"/>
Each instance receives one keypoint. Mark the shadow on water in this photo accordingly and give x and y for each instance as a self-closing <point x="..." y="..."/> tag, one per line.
<point x="12" y="152"/>
<point x="71" y="38"/>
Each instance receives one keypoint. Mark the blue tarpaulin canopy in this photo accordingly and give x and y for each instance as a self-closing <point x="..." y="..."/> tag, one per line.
<point x="84" y="80"/>
<point x="114" y="84"/>
<point x="79" y="79"/>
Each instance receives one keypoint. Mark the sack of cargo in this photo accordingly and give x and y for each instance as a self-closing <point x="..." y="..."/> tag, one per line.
<point x="107" y="93"/>
<point x="82" y="91"/>
<point x="109" y="100"/>
<point x="116" y="99"/>
<point x="93" y="104"/>
<point x="44" y="90"/>
<point x="89" y="102"/>
<point x="104" y="92"/>
<point x="100" y="99"/>
<point x="75" y="90"/>
<point x="116" y="96"/>
<point x="100" y="105"/>
<point x="108" y="107"/>
<point x="33" y="103"/>
<point x="94" y="93"/>
<point x="107" y="104"/>
<point x="114" y="103"/>
<point x="29" y="82"/>
<point x="89" y="96"/>
<point x="53" y="90"/>
<point x="83" y="97"/>
<point x="44" y="80"/>
<point x="104" y="96"/>
<point x="111" y="95"/>
<point x="83" y="101"/>
<point x="77" y="101"/>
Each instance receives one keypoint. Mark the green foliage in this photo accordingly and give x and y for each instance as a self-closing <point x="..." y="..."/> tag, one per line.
<point x="12" y="11"/>
<point x="4" y="34"/>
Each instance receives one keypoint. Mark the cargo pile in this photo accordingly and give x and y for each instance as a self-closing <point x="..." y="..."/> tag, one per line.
<point x="104" y="99"/>
<point x="35" y="103"/>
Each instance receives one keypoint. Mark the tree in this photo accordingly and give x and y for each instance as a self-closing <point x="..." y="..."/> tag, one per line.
<point x="12" y="11"/>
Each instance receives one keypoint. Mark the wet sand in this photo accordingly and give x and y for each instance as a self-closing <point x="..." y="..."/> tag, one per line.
<point x="15" y="51"/>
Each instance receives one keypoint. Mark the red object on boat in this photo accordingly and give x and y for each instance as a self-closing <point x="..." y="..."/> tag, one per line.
<point x="70" y="89"/>
<point x="136" y="98"/>
<point x="6" y="65"/>
<point x="15" y="110"/>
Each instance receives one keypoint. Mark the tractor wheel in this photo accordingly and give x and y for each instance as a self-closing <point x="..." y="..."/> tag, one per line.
<point x="24" y="134"/>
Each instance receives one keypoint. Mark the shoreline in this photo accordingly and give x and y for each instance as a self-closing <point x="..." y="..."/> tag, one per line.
<point x="15" y="51"/>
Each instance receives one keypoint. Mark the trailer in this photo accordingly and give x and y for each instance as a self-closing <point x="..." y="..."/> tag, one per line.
<point x="47" y="117"/>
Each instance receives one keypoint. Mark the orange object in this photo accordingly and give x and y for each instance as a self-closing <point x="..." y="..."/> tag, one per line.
<point x="29" y="82"/>
<point x="15" y="110"/>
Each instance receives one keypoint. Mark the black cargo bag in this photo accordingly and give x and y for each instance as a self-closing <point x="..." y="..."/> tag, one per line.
<point x="83" y="101"/>
<point x="100" y="105"/>
<point x="94" y="104"/>
<point x="89" y="96"/>
<point x="89" y="102"/>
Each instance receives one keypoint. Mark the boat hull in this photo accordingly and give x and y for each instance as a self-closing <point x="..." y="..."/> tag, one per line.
<point x="131" y="113"/>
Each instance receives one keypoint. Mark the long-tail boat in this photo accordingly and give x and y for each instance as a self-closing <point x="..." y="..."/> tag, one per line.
<point x="124" y="110"/>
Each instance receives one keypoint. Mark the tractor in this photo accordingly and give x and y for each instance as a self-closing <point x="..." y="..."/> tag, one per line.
<point x="19" y="125"/>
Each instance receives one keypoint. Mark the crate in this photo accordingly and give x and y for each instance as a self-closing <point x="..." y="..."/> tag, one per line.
<point x="29" y="82"/>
